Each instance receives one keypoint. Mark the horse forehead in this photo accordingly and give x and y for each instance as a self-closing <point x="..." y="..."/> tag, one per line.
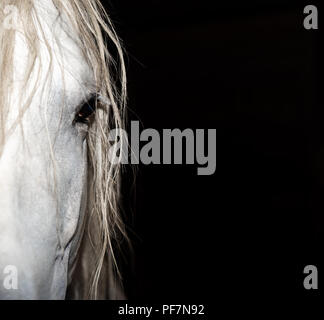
<point x="65" y="44"/>
<point x="59" y="49"/>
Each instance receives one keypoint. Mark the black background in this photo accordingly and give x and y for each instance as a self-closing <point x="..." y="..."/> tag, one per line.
<point x="253" y="72"/>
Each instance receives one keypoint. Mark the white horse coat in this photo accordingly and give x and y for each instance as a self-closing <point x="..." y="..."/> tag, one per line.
<point x="43" y="165"/>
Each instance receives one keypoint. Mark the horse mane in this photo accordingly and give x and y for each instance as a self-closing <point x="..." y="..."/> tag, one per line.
<point x="96" y="275"/>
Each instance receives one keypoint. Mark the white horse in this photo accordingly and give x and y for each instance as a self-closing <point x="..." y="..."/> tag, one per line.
<point x="60" y="94"/>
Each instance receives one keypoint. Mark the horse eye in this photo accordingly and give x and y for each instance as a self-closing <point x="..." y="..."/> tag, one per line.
<point x="86" y="111"/>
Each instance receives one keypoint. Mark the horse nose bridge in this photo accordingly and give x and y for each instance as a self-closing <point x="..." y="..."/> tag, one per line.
<point x="10" y="161"/>
<point x="21" y="180"/>
<point x="8" y="175"/>
<point x="34" y="268"/>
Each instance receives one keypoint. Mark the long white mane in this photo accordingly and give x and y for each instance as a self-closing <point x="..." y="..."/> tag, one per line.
<point x="96" y="273"/>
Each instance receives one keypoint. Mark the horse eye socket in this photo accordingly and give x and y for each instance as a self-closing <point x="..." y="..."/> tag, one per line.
<point x="86" y="111"/>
